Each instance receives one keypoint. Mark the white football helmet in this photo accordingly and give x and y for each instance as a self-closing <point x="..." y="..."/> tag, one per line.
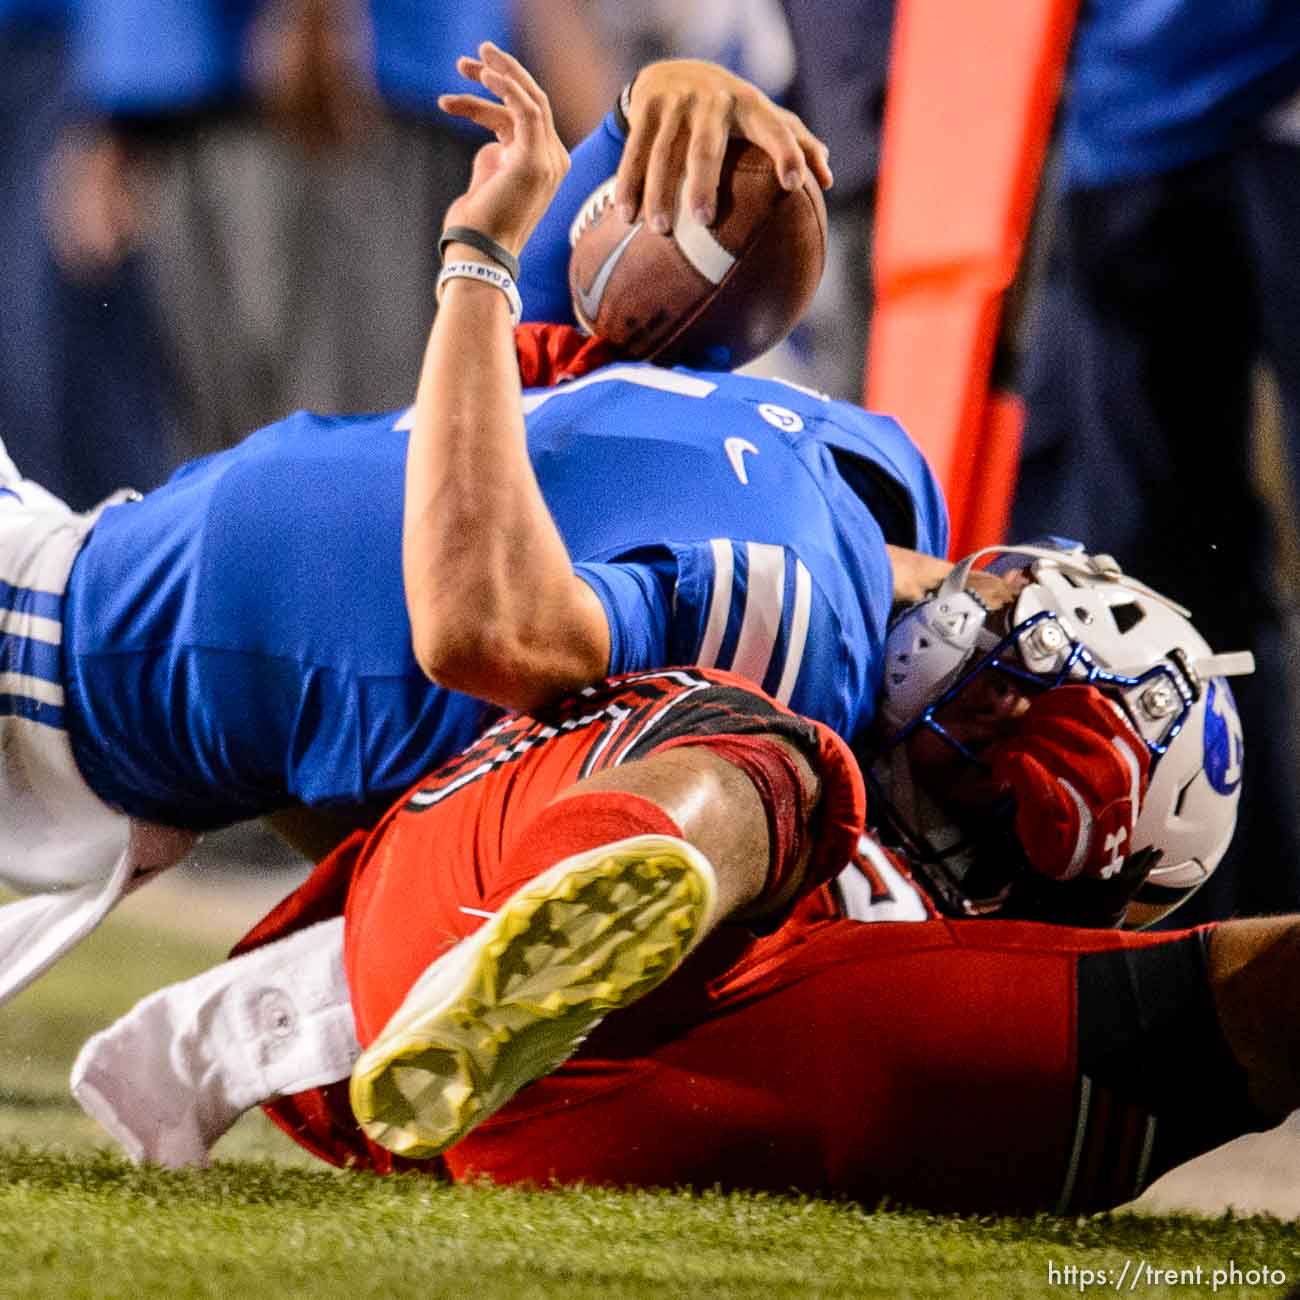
<point x="1082" y="620"/>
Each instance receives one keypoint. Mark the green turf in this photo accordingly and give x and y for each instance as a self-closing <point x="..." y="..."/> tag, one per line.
<point x="92" y="1226"/>
<point x="77" y="1221"/>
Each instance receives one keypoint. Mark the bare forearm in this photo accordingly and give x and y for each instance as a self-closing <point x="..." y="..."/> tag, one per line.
<point x="489" y="582"/>
<point x="496" y="609"/>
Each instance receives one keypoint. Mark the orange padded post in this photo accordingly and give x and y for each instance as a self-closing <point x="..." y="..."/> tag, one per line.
<point x="973" y="87"/>
<point x="986" y="515"/>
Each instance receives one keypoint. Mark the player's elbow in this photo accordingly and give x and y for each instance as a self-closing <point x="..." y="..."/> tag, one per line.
<point x="490" y="662"/>
<point x="520" y="653"/>
<point x="450" y="653"/>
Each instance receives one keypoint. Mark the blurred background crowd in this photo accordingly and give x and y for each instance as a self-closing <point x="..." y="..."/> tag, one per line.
<point x="213" y="212"/>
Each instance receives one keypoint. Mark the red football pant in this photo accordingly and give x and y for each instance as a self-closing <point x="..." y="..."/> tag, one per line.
<point x="931" y="1063"/>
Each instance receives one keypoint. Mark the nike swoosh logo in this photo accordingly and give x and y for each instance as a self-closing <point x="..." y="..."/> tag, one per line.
<point x="736" y="449"/>
<point x="588" y="300"/>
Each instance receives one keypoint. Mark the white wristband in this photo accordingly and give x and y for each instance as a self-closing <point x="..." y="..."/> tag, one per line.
<point x="492" y="275"/>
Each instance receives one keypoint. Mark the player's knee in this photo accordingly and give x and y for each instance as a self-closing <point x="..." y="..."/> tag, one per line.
<point x="788" y="786"/>
<point x="747" y="800"/>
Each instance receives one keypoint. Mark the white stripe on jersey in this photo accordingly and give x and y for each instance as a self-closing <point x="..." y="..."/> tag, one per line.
<point x="760" y="619"/>
<point x="657" y="717"/>
<point x="645" y="376"/>
<point x="1144" y="1161"/>
<point x="32" y="688"/>
<point x="764" y="601"/>
<point x="17" y="626"/>
<point x="903" y="902"/>
<point x="1076" y="1147"/>
<point x="619" y="717"/>
<point x="13" y="623"/>
<point x="798" y="633"/>
<point x="719" y="603"/>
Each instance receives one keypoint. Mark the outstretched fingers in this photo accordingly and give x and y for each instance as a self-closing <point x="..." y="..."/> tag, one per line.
<point x="506" y="65"/>
<point x="506" y="77"/>
<point x="486" y="113"/>
<point x="515" y="177"/>
<point x="520" y="104"/>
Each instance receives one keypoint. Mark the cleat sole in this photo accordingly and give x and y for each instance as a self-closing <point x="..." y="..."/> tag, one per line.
<point x="591" y="935"/>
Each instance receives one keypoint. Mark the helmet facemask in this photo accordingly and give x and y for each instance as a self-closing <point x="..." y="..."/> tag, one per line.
<point x="1078" y="620"/>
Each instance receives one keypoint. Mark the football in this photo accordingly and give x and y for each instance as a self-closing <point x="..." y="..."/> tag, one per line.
<point x="711" y="296"/>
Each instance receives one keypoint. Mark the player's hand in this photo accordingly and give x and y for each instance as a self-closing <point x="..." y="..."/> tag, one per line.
<point x="917" y="575"/>
<point x="516" y="175"/>
<point x="1079" y="772"/>
<point x="683" y="111"/>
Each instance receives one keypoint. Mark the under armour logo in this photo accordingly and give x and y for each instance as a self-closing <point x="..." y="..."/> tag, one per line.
<point x="1111" y="845"/>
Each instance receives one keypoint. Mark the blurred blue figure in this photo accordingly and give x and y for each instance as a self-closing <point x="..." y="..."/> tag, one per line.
<point x="81" y="386"/>
<point x="1174" y="267"/>
<point x="291" y="168"/>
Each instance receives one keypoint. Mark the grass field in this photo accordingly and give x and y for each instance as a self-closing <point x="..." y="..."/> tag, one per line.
<point x="77" y="1221"/>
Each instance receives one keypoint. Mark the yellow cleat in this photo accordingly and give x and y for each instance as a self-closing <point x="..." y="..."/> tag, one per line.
<point x="516" y="999"/>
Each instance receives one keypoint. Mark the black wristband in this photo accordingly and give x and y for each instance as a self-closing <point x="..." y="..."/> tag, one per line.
<point x="621" y="106"/>
<point x="505" y="259"/>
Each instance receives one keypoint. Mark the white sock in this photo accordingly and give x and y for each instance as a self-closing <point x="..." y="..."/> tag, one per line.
<point x="174" y="1073"/>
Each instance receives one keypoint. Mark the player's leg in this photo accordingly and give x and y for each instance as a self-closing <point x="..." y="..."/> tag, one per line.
<point x="712" y="803"/>
<point x="1254" y="968"/>
<point x="601" y="899"/>
<point x="852" y="1059"/>
<point x="595" y="901"/>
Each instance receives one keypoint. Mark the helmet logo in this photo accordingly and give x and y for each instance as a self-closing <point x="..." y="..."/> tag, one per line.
<point x="1224" y="744"/>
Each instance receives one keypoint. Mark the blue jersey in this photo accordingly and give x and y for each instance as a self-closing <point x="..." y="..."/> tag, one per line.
<point x="176" y="56"/>
<point x="239" y="639"/>
<point x="1158" y="84"/>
